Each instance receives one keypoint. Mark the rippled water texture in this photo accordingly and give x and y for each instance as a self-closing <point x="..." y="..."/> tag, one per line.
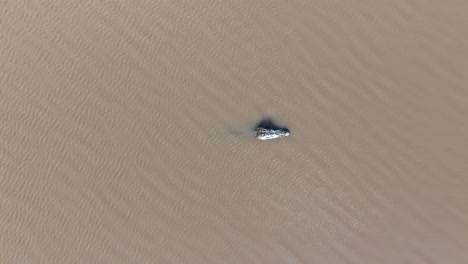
<point x="124" y="131"/>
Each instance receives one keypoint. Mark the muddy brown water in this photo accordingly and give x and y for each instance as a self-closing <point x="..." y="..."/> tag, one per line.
<point x="112" y="116"/>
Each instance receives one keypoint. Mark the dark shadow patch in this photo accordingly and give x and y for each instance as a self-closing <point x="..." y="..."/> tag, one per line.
<point x="269" y="123"/>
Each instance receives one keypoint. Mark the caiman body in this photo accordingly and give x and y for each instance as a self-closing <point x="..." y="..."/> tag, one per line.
<point x="268" y="129"/>
<point x="270" y="133"/>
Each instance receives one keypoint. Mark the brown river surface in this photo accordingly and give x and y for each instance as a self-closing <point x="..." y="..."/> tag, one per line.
<point x="124" y="131"/>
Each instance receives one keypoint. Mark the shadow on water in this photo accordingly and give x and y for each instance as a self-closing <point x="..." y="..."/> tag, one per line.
<point x="269" y="123"/>
<point x="266" y="122"/>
